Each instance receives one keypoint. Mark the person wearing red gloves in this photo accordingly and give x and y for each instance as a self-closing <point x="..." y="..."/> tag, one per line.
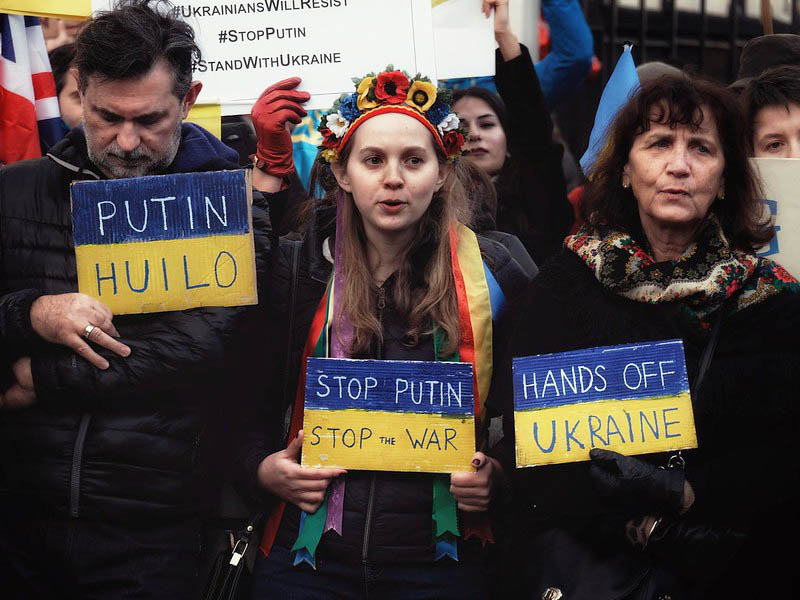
<point x="277" y="106"/>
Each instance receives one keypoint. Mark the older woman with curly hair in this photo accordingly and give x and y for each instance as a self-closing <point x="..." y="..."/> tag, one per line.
<point x="673" y="223"/>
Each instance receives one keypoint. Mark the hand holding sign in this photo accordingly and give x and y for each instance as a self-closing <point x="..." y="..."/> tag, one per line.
<point x="636" y="485"/>
<point x="277" y="105"/>
<point x="63" y="319"/>
<point x="473" y="491"/>
<point x="501" y="22"/>
<point x="281" y="474"/>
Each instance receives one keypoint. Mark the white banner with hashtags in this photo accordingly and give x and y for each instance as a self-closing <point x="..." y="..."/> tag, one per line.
<point x="247" y="46"/>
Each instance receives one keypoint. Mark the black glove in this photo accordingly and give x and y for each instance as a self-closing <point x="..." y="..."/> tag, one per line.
<point x="636" y="486"/>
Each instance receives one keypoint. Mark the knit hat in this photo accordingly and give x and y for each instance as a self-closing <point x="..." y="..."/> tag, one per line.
<point x="764" y="52"/>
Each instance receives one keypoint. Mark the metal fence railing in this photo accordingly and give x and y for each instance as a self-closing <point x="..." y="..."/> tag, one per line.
<point x="700" y="36"/>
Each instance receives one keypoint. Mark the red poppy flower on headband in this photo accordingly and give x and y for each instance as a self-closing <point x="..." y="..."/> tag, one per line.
<point x="329" y="139"/>
<point x="392" y="87"/>
<point x="452" y="143"/>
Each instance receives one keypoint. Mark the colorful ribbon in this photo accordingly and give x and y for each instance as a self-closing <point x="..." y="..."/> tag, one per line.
<point x="341" y="332"/>
<point x="302" y="555"/>
<point x="335" y="506"/>
<point x="312" y="342"/>
<point x="480" y="301"/>
<point x="310" y="532"/>
<point x="445" y="519"/>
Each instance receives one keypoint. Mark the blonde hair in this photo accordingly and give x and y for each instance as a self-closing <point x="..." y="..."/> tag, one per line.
<point x="434" y="304"/>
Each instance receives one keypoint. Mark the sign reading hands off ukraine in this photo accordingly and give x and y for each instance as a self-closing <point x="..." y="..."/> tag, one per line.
<point x="165" y="242"/>
<point x="633" y="399"/>
<point x="387" y="415"/>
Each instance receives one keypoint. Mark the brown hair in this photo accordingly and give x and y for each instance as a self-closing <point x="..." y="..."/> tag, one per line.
<point x="126" y="42"/>
<point x="675" y="101"/>
<point x="777" y="87"/>
<point x="424" y="289"/>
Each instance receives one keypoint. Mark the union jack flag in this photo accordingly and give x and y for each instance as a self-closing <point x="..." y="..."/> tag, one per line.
<point x="29" y="115"/>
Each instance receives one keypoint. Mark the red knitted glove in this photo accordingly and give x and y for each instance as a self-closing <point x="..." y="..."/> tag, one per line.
<point x="277" y="105"/>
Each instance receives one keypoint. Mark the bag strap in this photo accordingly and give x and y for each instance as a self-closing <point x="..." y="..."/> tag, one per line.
<point x="676" y="460"/>
<point x="708" y="351"/>
<point x="240" y="547"/>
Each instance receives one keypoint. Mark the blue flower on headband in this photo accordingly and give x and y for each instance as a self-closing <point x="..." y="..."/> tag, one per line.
<point x="438" y="112"/>
<point x="348" y="107"/>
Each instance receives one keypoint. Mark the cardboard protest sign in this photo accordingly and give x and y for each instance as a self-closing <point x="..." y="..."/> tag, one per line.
<point x="64" y="9"/>
<point x="632" y="399"/>
<point x="247" y="46"/>
<point x="165" y="242"/>
<point x="780" y="180"/>
<point x="389" y="415"/>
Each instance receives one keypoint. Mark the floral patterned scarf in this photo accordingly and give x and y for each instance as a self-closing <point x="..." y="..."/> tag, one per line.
<point x="706" y="275"/>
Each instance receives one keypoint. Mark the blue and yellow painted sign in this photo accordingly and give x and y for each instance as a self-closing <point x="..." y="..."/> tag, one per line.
<point x="389" y="415"/>
<point x="633" y="399"/>
<point x="165" y="242"/>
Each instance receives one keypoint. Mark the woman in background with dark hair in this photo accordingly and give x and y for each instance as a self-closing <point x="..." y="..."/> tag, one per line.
<point x="772" y="105"/>
<point x="511" y="140"/>
<point x="673" y="222"/>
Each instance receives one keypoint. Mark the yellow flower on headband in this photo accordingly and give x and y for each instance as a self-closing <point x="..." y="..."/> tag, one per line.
<point x="421" y="95"/>
<point x="331" y="155"/>
<point x="365" y="103"/>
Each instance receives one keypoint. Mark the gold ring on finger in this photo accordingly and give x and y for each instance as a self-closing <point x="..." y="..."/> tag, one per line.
<point x="87" y="331"/>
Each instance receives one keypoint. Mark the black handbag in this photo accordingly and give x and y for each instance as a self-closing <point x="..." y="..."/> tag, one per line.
<point x="230" y="578"/>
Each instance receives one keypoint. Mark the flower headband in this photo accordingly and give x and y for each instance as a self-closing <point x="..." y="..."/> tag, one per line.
<point x="392" y="91"/>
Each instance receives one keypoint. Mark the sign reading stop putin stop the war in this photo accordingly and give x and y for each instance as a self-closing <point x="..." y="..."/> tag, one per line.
<point x="165" y="242"/>
<point x="389" y="415"/>
<point x="633" y="399"/>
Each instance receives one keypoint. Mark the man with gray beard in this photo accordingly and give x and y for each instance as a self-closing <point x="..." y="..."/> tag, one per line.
<point x="118" y="163"/>
<point x="102" y="417"/>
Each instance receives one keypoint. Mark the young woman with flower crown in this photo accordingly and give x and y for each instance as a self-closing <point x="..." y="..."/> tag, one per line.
<point x="385" y="246"/>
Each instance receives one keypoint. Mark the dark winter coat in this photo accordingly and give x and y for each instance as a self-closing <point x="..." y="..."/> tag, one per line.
<point x="123" y="442"/>
<point x="387" y="516"/>
<point x="531" y="192"/>
<point x="744" y="474"/>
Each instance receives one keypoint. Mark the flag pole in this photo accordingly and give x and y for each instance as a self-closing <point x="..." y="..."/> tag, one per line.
<point x="766" y="17"/>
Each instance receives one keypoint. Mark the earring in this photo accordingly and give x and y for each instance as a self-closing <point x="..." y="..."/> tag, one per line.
<point x="721" y="195"/>
<point x="625" y="185"/>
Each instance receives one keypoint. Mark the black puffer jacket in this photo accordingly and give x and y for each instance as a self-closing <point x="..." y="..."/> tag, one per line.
<point x="122" y="442"/>
<point x="387" y="516"/>
<point x="531" y="192"/>
<point x="731" y="543"/>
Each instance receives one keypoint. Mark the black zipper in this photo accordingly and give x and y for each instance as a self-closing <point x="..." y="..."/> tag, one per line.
<point x="371" y="500"/>
<point x="368" y="521"/>
<point x="77" y="460"/>
<point x="381" y="306"/>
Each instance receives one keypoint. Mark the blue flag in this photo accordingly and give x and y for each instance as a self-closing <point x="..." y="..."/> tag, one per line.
<point x="305" y="142"/>
<point x="622" y="84"/>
